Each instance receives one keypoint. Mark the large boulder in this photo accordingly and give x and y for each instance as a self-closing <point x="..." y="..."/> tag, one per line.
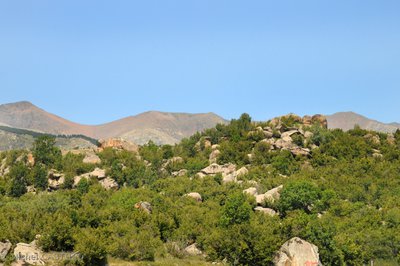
<point x="98" y="173"/>
<point x="242" y="171"/>
<point x="4" y="249"/>
<point x="181" y="172"/>
<point x="92" y="159"/>
<point x="252" y="191"/>
<point x="267" y="211"/>
<point x="195" y="195"/>
<point x="55" y="180"/>
<point x="214" y="169"/>
<point x="192" y="250"/>
<point x="28" y="253"/>
<point x="109" y="183"/>
<point x="270" y="196"/>
<point x="119" y="144"/>
<point x="297" y="252"/>
<point x="214" y="156"/>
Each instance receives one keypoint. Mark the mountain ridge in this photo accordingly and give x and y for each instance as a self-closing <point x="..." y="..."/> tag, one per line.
<point x="160" y="127"/>
<point x="164" y="127"/>
<point x="347" y="121"/>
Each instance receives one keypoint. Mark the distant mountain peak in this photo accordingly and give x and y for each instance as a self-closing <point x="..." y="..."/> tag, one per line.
<point x="347" y="121"/>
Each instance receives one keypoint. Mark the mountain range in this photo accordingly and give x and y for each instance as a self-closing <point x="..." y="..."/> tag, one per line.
<point x="160" y="127"/>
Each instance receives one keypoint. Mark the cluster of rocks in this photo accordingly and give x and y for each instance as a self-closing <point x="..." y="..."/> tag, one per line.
<point x="100" y="174"/>
<point x="270" y="196"/>
<point x="24" y="254"/>
<point x="228" y="172"/>
<point x="56" y="180"/>
<point x="284" y="139"/>
<point x="297" y="252"/>
<point x="306" y="120"/>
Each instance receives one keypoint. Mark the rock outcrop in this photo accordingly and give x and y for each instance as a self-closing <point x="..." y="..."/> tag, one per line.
<point x="119" y="144"/>
<point x="297" y="252"/>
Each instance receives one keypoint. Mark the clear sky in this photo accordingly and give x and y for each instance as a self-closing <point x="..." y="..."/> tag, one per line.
<point x="96" y="61"/>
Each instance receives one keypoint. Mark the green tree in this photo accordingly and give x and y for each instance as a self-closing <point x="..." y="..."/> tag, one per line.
<point x="90" y="244"/>
<point x="18" y="174"/>
<point x="40" y="177"/>
<point x="45" y="151"/>
<point x="298" y="195"/>
<point x="236" y="210"/>
<point x="83" y="186"/>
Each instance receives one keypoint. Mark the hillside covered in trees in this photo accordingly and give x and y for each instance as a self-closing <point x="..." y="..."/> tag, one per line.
<point x="233" y="195"/>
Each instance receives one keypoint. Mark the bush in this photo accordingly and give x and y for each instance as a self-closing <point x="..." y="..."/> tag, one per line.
<point x="236" y="210"/>
<point x="298" y="195"/>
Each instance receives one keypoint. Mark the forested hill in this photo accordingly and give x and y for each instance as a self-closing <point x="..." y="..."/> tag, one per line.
<point x="243" y="193"/>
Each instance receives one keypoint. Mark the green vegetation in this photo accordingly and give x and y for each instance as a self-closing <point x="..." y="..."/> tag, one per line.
<point x="344" y="198"/>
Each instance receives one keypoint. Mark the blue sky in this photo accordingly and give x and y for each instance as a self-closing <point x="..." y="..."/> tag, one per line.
<point x="96" y="61"/>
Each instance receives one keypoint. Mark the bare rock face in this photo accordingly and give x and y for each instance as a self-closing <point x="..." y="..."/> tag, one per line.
<point x="4" y="249"/>
<point x="297" y="252"/>
<point x="195" y="195"/>
<point x="118" y="144"/>
<point x="144" y="206"/>
<point x="192" y="250"/>
<point x="28" y="253"/>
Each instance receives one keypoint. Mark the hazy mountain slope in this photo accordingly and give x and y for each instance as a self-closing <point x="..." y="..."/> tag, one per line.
<point x="162" y="128"/>
<point x="347" y="120"/>
<point x="28" y="116"/>
<point x="14" y="139"/>
<point x="158" y="126"/>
